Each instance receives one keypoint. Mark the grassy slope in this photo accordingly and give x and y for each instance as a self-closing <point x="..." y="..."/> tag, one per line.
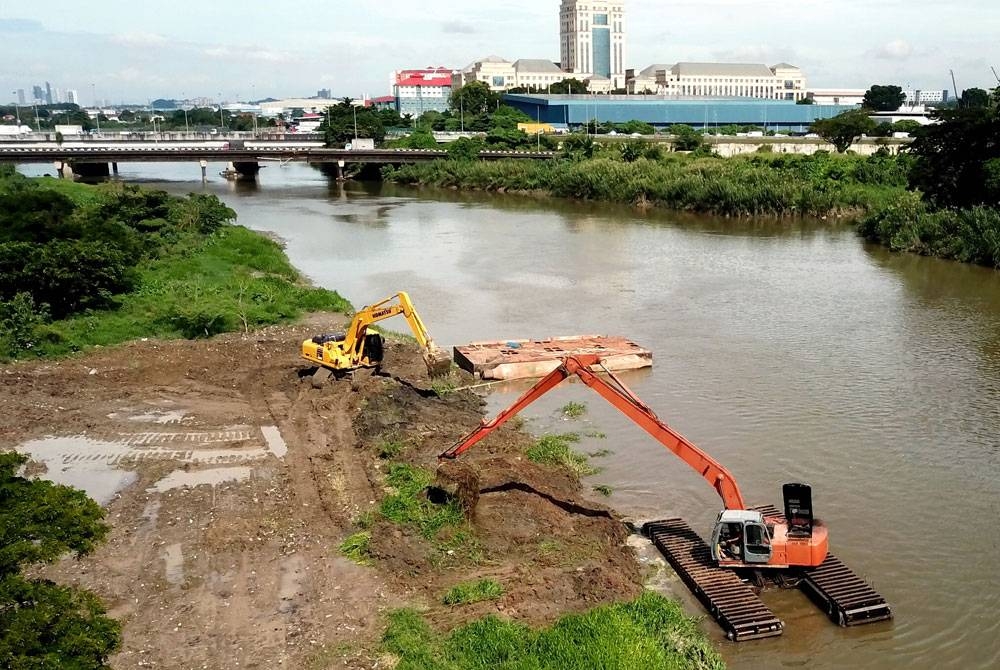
<point x="651" y="632"/>
<point x="234" y="279"/>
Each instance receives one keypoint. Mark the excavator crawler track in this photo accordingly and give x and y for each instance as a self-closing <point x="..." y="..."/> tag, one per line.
<point x="732" y="603"/>
<point x="846" y="598"/>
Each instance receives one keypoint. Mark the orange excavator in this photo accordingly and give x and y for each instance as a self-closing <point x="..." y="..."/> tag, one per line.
<point x="741" y="538"/>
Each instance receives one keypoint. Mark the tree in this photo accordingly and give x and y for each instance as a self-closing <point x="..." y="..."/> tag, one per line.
<point x="685" y="138"/>
<point x="344" y="119"/>
<point x="958" y="159"/>
<point x="844" y="129"/>
<point x="465" y="149"/>
<point x="805" y="101"/>
<point x="906" y="126"/>
<point x="974" y="98"/>
<point x="472" y="99"/>
<point x="641" y="127"/>
<point x="570" y="85"/>
<point x="884" y="98"/>
<point x="43" y="625"/>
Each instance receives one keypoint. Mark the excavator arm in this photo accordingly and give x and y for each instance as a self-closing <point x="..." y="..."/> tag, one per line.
<point x="437" y="360"/>
<point x="628" y="404"/>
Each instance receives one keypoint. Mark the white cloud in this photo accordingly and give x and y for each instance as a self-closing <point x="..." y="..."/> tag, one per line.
<point x="894" y="50"/>
<point x="139" y="39"/>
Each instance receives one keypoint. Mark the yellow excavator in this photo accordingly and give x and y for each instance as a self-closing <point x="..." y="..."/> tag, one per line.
<point x="343" y="353"/>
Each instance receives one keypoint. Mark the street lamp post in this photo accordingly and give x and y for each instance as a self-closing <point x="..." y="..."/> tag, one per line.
<point x="93" y="90"/>
<point x="355" y="110"/>
<point x="222" y="123"/>
<point x="187" y="130"/>
<point x="38" y="125"/>
<point x="17" y="111"/>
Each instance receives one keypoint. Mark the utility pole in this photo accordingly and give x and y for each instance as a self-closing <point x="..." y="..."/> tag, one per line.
<point x="186" y="128"/>
<point x="954" y="86"/>
<point x="222" y="124"/>
<point x="93" y="90"/>
<point x="38" y="125"/>
<point x="354" y="108"/>
<point x="17" y="111"/>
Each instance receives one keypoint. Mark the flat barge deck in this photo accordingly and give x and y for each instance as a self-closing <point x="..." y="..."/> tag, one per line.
<point x="526" y="359"/>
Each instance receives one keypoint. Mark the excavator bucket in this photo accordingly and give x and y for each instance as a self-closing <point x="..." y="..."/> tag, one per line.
<point x="438" y="361"/>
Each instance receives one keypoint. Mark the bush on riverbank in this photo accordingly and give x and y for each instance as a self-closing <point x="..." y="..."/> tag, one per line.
<point x="651" y="632"/>
<point x="761" y="184"/>
<point x="83" y="266"/>
<point x="969" y="235"/>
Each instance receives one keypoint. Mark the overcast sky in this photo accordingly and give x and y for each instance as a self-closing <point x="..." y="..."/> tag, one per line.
<point x="135" y="51"/>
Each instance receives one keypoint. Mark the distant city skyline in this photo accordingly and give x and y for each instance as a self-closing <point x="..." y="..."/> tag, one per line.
<point x="233" y="50"/>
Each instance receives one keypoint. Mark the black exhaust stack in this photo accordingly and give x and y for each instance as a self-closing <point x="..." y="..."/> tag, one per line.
<point x="798" y="509"/>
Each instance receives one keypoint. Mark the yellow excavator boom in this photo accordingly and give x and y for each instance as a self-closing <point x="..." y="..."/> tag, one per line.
<point x="357" y="348"/>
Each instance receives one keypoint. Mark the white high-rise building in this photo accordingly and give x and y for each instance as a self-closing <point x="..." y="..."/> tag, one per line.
<point x="592" y="40"/>
<point x="73" y="96"/>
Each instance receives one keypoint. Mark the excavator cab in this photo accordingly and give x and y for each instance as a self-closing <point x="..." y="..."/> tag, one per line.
<point x="740" y="536"/>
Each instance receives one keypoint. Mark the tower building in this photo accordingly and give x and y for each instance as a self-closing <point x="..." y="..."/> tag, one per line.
<point x="592" y="39"/>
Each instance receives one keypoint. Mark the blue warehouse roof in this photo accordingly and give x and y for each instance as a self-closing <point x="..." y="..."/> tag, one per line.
<point x="576" y="110"/>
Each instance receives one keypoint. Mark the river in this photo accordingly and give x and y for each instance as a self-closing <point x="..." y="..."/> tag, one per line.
<point x="791" y="351"/>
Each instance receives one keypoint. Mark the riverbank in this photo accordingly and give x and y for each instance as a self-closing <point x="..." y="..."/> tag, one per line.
<point x="759" y="185"/>
<point x="84" y="266"/>
<point x="237" y="492"/>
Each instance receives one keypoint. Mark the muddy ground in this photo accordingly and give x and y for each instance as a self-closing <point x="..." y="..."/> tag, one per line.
<point x="230" y="482"/>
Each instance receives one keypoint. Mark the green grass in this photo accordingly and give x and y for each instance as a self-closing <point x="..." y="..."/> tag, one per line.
<point x="556" y="450"/>
<point x="356" y="547"/>
<point x="574" y="410"/>
<point x="603" y="489"/>
<point x="649" y="633"/>
<point x="233" y="280"/>
<point x="407" y="503"/>
<point x="473" y="592"/>
<point x="760" y="184"/>
<point x="390" y="448"/>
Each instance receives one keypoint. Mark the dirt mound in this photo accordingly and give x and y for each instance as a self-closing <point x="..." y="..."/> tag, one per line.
<point x="237" y="481"/>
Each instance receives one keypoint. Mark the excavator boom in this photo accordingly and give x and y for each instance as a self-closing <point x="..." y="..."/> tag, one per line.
<point x="618" y="395"/>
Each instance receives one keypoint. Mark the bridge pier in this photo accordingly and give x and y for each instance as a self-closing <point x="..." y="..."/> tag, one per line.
<point x="247" y="169"/>
<point x="204" y="170"/>
<point x="114" y="168"/>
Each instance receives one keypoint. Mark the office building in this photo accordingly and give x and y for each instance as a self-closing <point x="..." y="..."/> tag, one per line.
<point x="592" y="40"/>
<point x="919" y="97"/>
<point x="502" y="75"/>
<point x="48" y="93"/>
<point x="836" y="96"/>
<point x="20" y="96"/>
<point x="323" y="93"/>
<point x="38" y="94"/>
<point x="720" y="80"/>
<point x="662" y="111"/>
<point x="73" y="96"/>
<point x="419" y="91"/>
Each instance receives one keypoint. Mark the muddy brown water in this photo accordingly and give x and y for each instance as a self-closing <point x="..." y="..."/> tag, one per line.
<point x="791" y="351"/>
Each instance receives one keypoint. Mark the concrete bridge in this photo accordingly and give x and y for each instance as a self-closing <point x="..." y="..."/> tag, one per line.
<point x="93" y="159"/>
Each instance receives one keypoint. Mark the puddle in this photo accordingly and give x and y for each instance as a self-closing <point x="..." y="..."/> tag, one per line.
<point x="161" y="416"/>
<point x="83" y="463"/>
<point x="192" y="478"/>
<point x="275" y="442"/>
<point x="173" y="564"/>
<point x="292" y="575"/>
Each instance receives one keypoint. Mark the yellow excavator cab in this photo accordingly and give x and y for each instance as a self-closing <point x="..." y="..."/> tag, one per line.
<point x="357" y="348"/>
